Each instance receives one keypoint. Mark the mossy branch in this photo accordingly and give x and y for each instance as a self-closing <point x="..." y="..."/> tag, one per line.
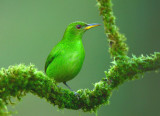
<point x="18" y="80"/>
<point x="3" y="109"/>
<point x="116" y="40"/>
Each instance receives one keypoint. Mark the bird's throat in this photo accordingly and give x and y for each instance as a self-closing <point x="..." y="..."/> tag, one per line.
<point x="72" y="36"/>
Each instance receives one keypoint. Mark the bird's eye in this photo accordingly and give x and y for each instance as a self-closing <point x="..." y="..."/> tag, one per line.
<point x="78" y="26"/>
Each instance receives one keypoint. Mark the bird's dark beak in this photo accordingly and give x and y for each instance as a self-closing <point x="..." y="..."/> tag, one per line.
<point x="89" y="26"/>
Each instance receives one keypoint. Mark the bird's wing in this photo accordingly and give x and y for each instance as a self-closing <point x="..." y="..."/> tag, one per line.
<point x="54" y="53"/>
<point x="50" y="58"/>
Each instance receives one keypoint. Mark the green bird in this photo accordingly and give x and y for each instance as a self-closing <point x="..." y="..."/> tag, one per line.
<point x="65" y="60"/>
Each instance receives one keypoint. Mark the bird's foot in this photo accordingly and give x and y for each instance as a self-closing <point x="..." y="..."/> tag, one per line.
<point x="77" y="95"/>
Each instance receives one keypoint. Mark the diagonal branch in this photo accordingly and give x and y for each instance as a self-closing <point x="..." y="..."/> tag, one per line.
<point x="116" y="39"/>
<point x="129" y="68"/>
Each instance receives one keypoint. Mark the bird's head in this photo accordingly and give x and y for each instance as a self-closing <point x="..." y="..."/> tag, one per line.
<point x="77" y="29"/>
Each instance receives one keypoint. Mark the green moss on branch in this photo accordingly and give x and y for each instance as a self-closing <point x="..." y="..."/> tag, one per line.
<point x="3" y="109"/>
<point x="18" y="80"/>
<point x="115" y="38"/>
<point x="129" y="68"/>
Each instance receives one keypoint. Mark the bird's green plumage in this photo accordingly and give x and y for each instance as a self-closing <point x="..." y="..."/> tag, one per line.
<point x="66" y="58"/>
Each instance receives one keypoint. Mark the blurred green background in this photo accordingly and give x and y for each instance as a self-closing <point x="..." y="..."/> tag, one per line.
<point x="30" y="28"/>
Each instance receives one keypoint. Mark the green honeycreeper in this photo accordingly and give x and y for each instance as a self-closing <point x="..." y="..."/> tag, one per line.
<point x="65" y="60"/>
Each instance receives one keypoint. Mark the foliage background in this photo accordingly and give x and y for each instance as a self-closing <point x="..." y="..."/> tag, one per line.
<point x="29" y="30"/>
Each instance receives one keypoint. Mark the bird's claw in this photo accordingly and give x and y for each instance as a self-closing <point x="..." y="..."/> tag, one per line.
<point x="77" y="95"/>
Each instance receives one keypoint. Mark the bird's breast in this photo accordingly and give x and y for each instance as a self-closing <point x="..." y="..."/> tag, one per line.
<point x="68" y="63"/>
<point x="74" y="59"/>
